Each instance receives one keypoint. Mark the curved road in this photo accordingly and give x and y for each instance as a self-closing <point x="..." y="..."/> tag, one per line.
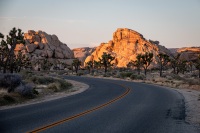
<point x="108" y="106"/>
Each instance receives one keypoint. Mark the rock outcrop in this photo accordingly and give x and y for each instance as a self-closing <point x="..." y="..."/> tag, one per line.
<point x="83" y="53"/>
<point x="189" y="53"/>
<point x="125" y="46"/>
<point x="40" y="45"/>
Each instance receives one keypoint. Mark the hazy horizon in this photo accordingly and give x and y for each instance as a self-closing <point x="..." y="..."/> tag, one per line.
<point x="78" y="23"/>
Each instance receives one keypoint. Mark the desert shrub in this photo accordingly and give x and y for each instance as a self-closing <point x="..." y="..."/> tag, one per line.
<point x="63" y="84"/>
<point x="41" y="79"/>
<point x="10" y="81"/>
<point x="79" y="73"/>
<point x="53" y="87"/>
<point x="26" y="74"/>
<point x="61" y="72"/>
<point x="59" y="84"/>
<point x="26" y="90"/>
<point x="135" y="77"/>
<point x="9" y="99"/>
<point x="192" y="81"/>
<point x="125" y="74"/>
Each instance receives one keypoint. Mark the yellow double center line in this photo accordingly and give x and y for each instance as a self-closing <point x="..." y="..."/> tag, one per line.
<point x="83" y="113"/>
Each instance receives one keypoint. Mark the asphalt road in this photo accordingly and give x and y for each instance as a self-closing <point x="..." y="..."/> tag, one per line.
<point x="108" y="106"/>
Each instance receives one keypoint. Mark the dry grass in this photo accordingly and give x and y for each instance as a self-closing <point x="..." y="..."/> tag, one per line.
<point x="33" y="85"/>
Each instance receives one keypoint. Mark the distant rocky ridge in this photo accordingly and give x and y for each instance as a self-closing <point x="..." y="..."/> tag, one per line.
<point x="187" y="53"/>
<point x="125" y="46"/>
<point x="40" y="45"/>
<point x="83" y="53"/>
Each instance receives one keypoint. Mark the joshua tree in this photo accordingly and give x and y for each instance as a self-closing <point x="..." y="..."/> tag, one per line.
<point x="163" y="59"/>
<point x="197" y="64"/>
<point x="76" y="63"/>
<point x="89" y="65"/>
<point x="46" y="65"/>
<point x="137" y="63"/>
<point x="174" y="62"/>
<point x="97" y="64"/>
<point x="7" y="49"/>
<point x="21" y="61"/>
<point x="147" y="58"/>
<point x="106" y="60"/>
<point x="181" y="66"/>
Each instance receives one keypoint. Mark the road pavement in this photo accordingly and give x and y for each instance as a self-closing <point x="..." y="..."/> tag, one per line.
<point x="108" y="106"/>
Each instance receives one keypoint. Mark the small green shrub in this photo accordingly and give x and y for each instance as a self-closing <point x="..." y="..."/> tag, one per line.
<point x="53" y="87"/>
<point x="59" y="84"/>
<point x="136" y="77"/>
<point x="125" y="74"/>
<point x="9" y="99"/>
<point x="10" y="81"/>
<point x="79" y="73"/>
<point x="63" y="84"/>
<point x="26" y="90"/>
<point x="42" y="80"/>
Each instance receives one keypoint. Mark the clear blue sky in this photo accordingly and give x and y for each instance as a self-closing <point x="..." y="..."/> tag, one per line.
<point x="80" y="23"/>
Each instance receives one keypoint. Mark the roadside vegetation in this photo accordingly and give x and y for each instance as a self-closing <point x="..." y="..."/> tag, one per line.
<point x="18" y="81"/>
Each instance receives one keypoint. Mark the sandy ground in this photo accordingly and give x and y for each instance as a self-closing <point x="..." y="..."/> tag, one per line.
<point x="192" y="103"/>
<point x="77" y="88"/>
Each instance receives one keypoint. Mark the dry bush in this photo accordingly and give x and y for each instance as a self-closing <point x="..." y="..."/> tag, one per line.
<point x="10" y="81"/>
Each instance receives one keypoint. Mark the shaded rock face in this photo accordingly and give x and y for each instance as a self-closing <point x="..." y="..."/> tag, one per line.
<point x="40" y="45"/>
<point x="125" y="46"/>
<point x="189" y="53"/>
<point x="83" y="53"/>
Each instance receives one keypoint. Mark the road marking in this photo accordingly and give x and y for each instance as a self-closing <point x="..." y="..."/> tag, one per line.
<point x="83" y="113"/>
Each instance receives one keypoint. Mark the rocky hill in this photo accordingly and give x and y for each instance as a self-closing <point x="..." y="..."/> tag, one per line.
<point x="189" y="53"/>
<point x="125" y="46"/>
<point x="83" y="53"/>
<point x="40" y="45"/>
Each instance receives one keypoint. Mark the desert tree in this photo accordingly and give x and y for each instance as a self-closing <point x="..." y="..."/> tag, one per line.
<point x="190" y="65"/>
<point x="146" y="59"/>
<point x="45" y="64"/>
<point x="197" y="64"/>
<point x="76" y="64"/>
<point x="97" y="64"/>
<point x="137" y="63"/>
<point x="89" y="65"/>
<point x="174" y="62"/>
<point x="21" y="61"/>
<point x="7" y="49"/>
<point x="181" y="66"/>
<point x="163" y="60"/>
<point x="106" y="60"/>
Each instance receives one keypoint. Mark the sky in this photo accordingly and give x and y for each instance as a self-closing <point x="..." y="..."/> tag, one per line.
<point x="87" y="23"/>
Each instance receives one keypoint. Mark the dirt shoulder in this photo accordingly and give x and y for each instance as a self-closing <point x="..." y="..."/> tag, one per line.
<point x="78" y="87"/>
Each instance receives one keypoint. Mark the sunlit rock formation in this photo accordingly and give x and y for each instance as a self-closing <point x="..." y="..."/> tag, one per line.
<point x="125" y="46"/>
<point x="40" y="45"/>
